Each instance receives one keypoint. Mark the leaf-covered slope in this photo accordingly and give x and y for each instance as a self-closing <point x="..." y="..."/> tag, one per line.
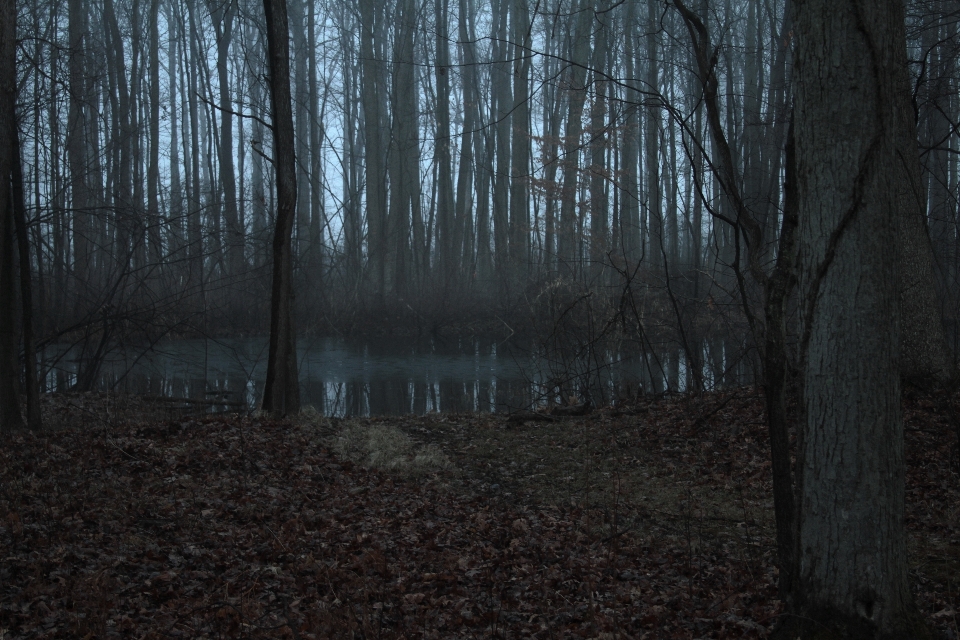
<point x="240" y="527"/>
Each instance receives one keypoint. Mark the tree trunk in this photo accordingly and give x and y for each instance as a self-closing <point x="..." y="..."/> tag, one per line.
<point x="924" y="355"/>
<point x="223" y="19"/>
<point x="302" y="121"/>
<point x="31" y="383"/>
<point x="77" y="148"/>
<point x="192" y="151"/>
<point x="281" y="392"/>
<point x="318" y="220"/>
<point x="501" y="89"/>
<point x="153" y="166"/>
<point x="10" y="417"/>
<point x="258" y="194"/>
<point x="138" y="249"/>
<point x="51" y="310"/>
<point x="651" y="141"/>
<point x="373" y="117"/>
<point x="520" y="152"/>
<point x="175" y="237"/>
<point x="599" y="223"/>
<point x="629" y="239"/>
<point x="463" y="235"/>
<point x="447" y="258"/>
<point x="352" y="232"/>
<point x="123" y="204"/>
<point x="777" y="289"/>
<point x="851" y="87"/>
<point x="404" y="156"/>
<point x="567" y="238"/>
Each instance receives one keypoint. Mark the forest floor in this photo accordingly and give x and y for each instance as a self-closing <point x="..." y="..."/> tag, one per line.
<point x="653" y="520"/>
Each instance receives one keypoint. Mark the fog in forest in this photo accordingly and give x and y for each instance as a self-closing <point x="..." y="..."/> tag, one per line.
<point x="593" y="187"/>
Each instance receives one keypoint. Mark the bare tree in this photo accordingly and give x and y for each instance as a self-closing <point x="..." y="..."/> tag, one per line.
<point x="281" y="392"/>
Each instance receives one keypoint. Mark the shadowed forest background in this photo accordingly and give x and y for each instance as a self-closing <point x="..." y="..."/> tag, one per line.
<point x="622" y="199"/>
<point x="541" y="169"/>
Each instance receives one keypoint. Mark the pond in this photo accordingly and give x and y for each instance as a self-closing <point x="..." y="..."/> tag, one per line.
<point x="345" y="378"/>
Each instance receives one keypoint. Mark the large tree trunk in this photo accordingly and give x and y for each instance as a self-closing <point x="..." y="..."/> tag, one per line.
<point x="851" y="87"/>
<point x="281" y="392"/>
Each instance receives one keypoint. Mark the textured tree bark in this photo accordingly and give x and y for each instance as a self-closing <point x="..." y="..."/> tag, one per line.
<point x="850" y="87"/>
<point x="281" y="392"/>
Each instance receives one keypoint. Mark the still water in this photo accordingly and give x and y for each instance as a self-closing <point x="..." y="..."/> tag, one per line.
<point x="345" y="378"/>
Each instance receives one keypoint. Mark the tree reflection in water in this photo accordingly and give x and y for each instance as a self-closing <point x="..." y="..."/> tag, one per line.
<point x="388" y="377"/>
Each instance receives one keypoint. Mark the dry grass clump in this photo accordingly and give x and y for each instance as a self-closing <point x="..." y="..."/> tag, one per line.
<point x="388" y="448"/>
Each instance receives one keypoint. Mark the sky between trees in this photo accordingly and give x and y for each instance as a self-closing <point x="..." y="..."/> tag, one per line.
<point x="453" y="158"/>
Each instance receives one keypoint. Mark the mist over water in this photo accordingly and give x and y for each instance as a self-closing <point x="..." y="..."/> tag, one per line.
<point x="391" y="376"/>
